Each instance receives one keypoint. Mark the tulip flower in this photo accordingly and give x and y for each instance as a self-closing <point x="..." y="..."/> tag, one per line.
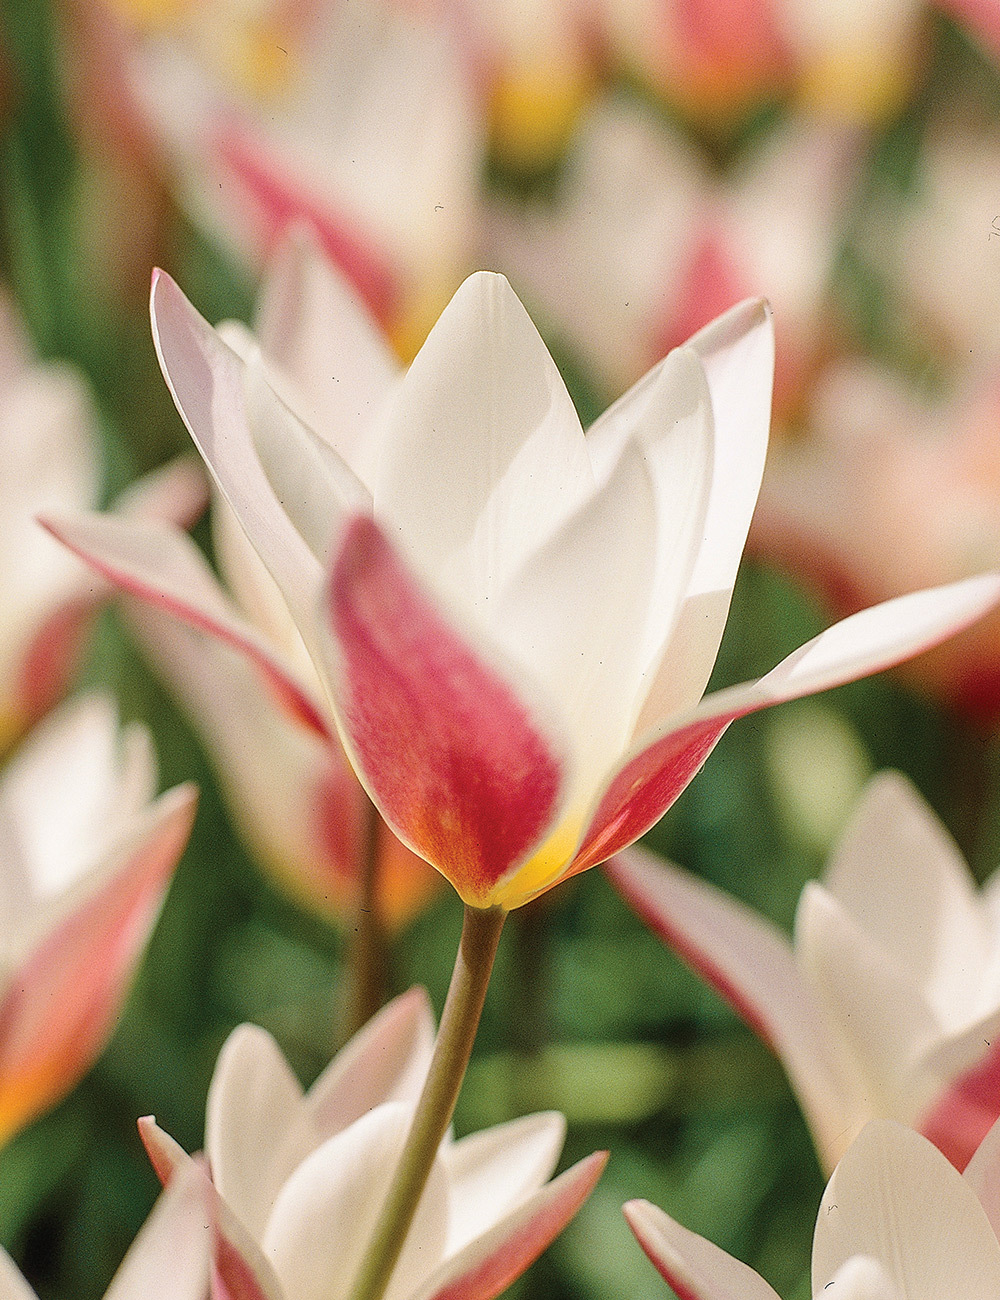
<point x="889" y="491"/>
<point x="385" y="170"/>
<point x="48" y="445"/>
<point x="514" y="623"/>
<point x="896" y="1220"/>
<point x="290" y="790"/>
<point x="645" y="244"/>
<point x="49" y="448"/>
<point x="939" y="247"/>
<point x="170" y="1258"/>
<point x="300" y="1177"/>
<point x="887" y="1004"/>
<point x="88" y="854"/>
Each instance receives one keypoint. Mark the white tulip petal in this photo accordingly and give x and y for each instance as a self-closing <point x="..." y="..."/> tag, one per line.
<point x="895" y="1199"/>
<point x="12" y="1283"/>
<point x="205" y="378"/>
<point x="386" y="1060"/>
<point x="171" y="1256"/>
<point x="901" y="877"/>
<point x="694" y="1267"/>
<point x="861" y="1278"/>
<point x="483" y="454"/>
<point x="313" y="484"/>
<point x="574" y="614"/>
<point x="982" y="1173"/>
<point x="326" y="1212"/>
<point x="877" y="1011"/>
<point x="493" y="1171"/>
<point x="314" y="329"/>
<point x="737" y="351"/>
<point x="252" y="1101"/>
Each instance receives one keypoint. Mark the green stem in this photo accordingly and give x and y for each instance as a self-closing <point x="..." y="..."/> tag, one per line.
<point x="368" y="954"/>
<point x="459" y="1022"/>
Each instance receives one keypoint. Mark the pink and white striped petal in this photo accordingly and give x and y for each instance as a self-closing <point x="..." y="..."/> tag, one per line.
<point x="162" y="566"/>
<point x="647" y="784"/>
<point x="488" y="1265"/>
<point x="457" y="760"/>
<point x="695" y="1268"/>
<point x="61" y="1006"/>
<point x="750" y="963"/>
<point x="206" y="380"/>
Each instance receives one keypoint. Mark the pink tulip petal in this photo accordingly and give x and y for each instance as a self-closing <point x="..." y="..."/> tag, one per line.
<point x="206" y="379"/>
<point x="165" y="1155"/>
<point x="750" y="963"/>
<point x="455" y="760"/>
<point x="386" y="1060"/>
<point x="488" y="1265"/>
<point x="61" y="1006"/>
<point x="176" y="493"/>
<point x="648" y="783"/>
<point x="695" y="1268"/>
<point x="162" y="566"/>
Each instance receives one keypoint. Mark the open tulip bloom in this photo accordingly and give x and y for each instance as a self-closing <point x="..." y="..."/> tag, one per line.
<point x="87" y="854"/>
<point x="300" y="1178"/>
<point x="888" y="1004"/>
<point x="897" y="1222"/>
<point x="513" y="621"/>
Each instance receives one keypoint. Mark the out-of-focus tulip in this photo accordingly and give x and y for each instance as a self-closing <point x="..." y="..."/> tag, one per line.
<point x="291" y="791"/>
<point x="49" y="458"/>
<point x="645" y="245"/>
<point x="514" y="622"/>
<point x="849" y="63"/>
<point x="889" y="491"/>
<point x="385" y="168"/>
<point x="895" y="1220"/>
<point x="887" y="1005"/>
<point x="87" y="855"/>
<point x="539" y="61"/>
<point x="48" y="449"/>
<point x="939" y="246"/>
<point x="301" y="1178"/>
<point x="170" y="1258"/>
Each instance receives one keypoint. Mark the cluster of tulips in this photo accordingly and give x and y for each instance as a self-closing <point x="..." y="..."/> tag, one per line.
<point x="448" y="636"/>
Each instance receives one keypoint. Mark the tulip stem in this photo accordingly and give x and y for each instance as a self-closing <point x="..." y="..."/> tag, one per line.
<point x="452" y="1049"/>
<point x="368" y="950"/>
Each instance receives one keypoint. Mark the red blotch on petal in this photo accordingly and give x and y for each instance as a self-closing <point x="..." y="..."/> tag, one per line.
<point x="451" y="753"/>
<point x="961" y="1118"/>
